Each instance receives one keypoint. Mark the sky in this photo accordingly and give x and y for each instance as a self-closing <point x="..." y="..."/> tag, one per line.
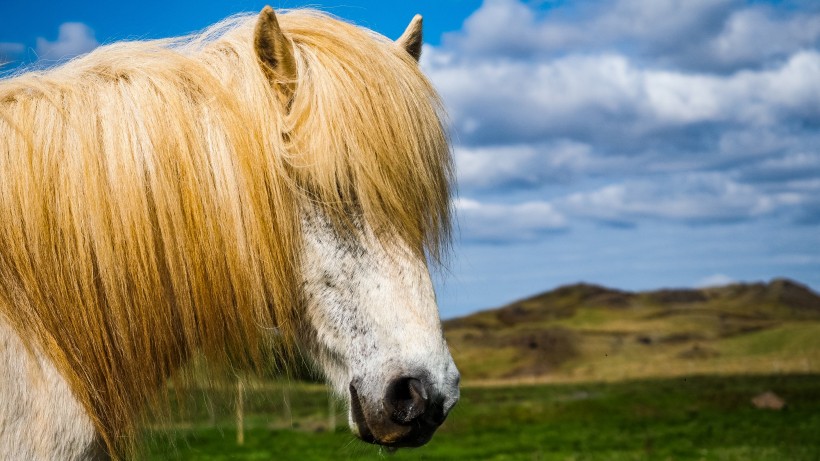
<point x="635" y="144"/>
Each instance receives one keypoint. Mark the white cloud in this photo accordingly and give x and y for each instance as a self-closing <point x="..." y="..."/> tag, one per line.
<point x="511" y="28"/>
<point x="585" y="96"/>
<point x="524" y="165"/>
<point x="789" y="167"/>
<point x="715" y="280"/>
<point x="755" y="34"/>
<point x="701" y="35"/>
<point x="495" y="222"/>
<point x="501" y="26"/>
<point x="500" y="101"/>
<point x="703" y="111"/>
<point x="73" y="39"/>
<point x="659" y="22"/>
<point x="700" y="198"/>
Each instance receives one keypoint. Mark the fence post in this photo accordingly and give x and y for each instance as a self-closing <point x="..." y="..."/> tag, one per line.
<point x="240" y="412"/>
<point x="286" y="404"/>
<point x="331" y="412"/>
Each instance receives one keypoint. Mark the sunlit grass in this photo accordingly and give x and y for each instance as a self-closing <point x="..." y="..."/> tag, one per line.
<point x="692" y="418"/>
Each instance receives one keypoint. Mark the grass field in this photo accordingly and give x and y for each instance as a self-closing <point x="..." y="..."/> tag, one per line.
<point x="693" y="418"/>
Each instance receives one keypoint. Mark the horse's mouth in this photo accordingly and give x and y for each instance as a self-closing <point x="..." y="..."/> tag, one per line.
<point x="378" y="428"/>
<point x="361" y="430"/>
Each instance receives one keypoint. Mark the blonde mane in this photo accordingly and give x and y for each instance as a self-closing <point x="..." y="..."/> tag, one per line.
<point x="150" y="195"/>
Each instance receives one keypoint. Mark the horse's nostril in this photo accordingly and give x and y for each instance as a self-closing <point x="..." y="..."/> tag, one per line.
<point x="406" y="400"/>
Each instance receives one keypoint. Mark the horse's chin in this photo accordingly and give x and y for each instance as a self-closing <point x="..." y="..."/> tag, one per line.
<point x="378" y="428"/>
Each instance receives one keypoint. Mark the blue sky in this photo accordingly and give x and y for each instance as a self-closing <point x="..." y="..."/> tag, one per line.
<point x="632" y="143"/>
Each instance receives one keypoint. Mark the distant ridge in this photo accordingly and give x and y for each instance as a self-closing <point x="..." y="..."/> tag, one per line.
<point x="603" y="333"/>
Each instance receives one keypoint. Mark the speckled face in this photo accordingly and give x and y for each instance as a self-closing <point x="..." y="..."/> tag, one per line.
<point x="374" y="327"/>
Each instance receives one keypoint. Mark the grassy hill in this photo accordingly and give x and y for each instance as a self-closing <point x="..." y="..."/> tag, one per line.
<point x="586" y="332"/>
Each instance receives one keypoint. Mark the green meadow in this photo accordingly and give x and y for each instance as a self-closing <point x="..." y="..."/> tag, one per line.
<point x="682" y="418"/>
<point x="578" y="373"/>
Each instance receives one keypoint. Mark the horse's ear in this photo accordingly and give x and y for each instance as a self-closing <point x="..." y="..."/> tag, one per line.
<point x="275" y="51"/>
<point x="411" y="39"/>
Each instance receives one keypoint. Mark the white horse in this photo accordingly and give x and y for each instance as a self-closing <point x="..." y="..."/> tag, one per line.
<point x="285" y="174"/>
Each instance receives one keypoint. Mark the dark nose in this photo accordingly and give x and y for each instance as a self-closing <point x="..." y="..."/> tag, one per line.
<point x="409" y="402"/>
<point x="407" y="416"/>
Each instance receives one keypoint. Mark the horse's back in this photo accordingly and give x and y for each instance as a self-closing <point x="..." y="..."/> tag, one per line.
<point x="40" y="419"/>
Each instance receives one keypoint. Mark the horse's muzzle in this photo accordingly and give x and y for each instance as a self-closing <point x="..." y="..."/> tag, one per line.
<point x="409" y="414"/>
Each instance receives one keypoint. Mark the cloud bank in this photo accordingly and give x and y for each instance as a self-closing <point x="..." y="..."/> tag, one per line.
<point x="73" y="39"/>
<point x="701" y="112"/>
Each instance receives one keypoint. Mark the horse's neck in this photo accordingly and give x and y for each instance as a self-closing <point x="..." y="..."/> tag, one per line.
<point x="40" y="419"/>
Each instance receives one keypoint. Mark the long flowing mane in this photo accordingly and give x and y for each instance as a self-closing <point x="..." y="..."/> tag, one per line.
<point x="150" y="196"/>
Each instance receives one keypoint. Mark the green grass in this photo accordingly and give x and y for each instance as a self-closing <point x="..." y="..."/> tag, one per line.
<point x="696" y="418"/>
<point x="794" y="339"/>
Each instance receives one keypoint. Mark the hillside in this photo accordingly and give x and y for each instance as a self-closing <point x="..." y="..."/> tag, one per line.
<point x="589" y="332"/>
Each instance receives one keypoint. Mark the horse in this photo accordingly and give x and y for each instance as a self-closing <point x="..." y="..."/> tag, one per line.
<point x="275" y="183"/>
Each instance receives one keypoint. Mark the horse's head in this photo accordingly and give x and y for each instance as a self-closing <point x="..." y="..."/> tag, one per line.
<point x="371" y="319"/>
<point x="375" y="329"/>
